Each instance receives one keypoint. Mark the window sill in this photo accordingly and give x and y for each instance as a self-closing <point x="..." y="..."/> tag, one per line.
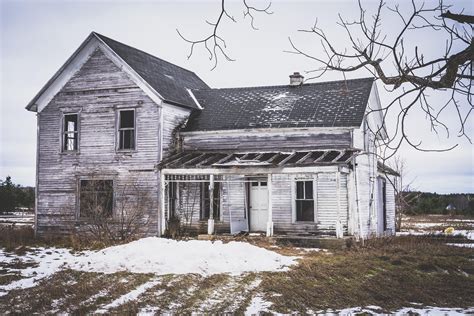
<point x="125" y="153"/>
<point x="69" y="153"/>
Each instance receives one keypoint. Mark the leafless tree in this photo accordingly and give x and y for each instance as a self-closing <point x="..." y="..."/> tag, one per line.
<point x="214" y="42"/>
<point x="401" y="66"/>
<point x="114" y="216"/>
<point x="405" y="194"/>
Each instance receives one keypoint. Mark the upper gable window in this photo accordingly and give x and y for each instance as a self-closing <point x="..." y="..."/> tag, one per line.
<point x="126" y="130"/>
<point x="70" y="132"/>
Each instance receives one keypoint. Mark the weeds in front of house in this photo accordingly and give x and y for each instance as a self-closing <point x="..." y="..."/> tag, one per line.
<point x="386" y="272"/>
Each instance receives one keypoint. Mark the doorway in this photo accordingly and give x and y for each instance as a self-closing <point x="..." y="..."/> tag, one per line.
<point x="258" y="192"/>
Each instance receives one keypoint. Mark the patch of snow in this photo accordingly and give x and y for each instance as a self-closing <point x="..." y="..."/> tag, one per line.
<point x="376" y="310"/>
<point x="279" y="96"/>
<point x="165" y="256"/>
<point x="461" y="245"/>
<point x="311" y="249"/>
<point x="257" y="305"/>
<point x="441" y="311"/>
<point x="148" y="255"/>
<point x="131" y="296"/>
<point x="49" y="261"/>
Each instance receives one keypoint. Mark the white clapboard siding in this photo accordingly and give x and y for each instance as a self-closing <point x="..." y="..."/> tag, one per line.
<point x="327" y="204"/>
<point x="96" y="91"/>
<point x="259" y="140"/>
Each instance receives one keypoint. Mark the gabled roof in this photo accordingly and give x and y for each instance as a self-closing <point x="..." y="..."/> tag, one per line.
<point x="160" y="79"/>
<point x="325" y="104"/>
<point x="169" y="80"/>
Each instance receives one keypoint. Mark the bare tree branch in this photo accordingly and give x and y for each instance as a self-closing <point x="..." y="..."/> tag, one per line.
<point x="214" y="43"/>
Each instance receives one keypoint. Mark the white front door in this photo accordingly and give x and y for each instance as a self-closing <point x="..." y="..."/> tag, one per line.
<point x="258" y="205"/>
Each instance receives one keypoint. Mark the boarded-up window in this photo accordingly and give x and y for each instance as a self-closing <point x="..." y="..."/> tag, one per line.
<point x="96" y="198"/>
<point x="70" y="132"/>
<point x="304" y="201"/>
<point x="126" y="130"/>
<point x="206" y="201"/>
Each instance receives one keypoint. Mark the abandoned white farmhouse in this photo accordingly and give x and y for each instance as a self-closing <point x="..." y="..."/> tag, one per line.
<point x="296" y="158"/>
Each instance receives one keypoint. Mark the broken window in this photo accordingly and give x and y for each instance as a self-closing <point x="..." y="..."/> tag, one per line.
<point x="126" y="130"/>
<point x="70" y="132"/>
<point x="206" y="201"/>
<point x="96" y="198"/>
<point x="304" y="201"/>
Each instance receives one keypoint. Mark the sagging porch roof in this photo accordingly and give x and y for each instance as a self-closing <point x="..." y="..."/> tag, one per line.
<point x="198" y="159"/>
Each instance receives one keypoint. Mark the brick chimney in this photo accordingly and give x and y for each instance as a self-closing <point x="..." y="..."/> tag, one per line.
<point x="296" y="79"/>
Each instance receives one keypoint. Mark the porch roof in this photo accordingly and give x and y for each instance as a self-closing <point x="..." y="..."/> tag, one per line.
<point x="199" y="159"/>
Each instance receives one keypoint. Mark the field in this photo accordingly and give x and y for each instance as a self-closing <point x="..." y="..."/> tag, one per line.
<point x="423" y="270"/>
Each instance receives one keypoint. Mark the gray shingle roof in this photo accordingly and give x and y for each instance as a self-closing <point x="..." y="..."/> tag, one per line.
<point x="325" y="104"/>
<point x="167" y="79"/>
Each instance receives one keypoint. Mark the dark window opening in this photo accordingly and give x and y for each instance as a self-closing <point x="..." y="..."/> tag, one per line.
<point x="96" y="198"/>
<point x="304" y="201"/>
<point x="126" y="130"/>
<point x="206" y="201"/>
<point x="70" y="136"/>
<point x="172" y="197"/>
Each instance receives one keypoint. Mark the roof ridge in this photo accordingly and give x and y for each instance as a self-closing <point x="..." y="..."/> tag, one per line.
<point x="142" y="51"/>
<point x="287" y="85"/>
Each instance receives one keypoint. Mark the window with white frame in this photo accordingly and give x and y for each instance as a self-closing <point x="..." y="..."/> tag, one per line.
<point x="304" y="201"/>
<point x="126" y="130"/>
<point x="70" y="132"/>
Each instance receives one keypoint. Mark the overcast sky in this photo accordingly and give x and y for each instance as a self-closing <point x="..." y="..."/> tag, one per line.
<point x="38" y="36"/>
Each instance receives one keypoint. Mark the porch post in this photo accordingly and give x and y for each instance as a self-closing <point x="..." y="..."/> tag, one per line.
<point x="162" y="204"/>
<point x="270" y="215"/>
<point x="210" y="221"/>
<point x="339" y="232"/>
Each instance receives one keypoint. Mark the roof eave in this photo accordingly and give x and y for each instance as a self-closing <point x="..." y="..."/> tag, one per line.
<point x="32" y="106"/>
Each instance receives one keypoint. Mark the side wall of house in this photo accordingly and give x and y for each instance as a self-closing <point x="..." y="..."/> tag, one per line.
<point x="364" y="201"/>
<point x="96" y="92"/>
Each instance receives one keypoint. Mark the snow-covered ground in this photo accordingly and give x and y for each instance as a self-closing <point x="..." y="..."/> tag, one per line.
<point x="149" y="255"/>
<point x="437" y="225"/>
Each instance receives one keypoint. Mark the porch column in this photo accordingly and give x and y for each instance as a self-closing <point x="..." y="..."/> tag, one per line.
<point x="162" y="204"/>
<point x="270" y="212"/>
<point x="339" y="232"/>
<point x="210" y="221"/>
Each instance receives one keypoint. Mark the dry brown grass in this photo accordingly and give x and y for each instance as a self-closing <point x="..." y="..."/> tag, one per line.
<point x="389" y="272"/>
<point x="71" y="292"/>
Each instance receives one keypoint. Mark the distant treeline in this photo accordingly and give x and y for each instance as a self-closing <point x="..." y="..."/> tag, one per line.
<point x="433" y="203"/>
<point x="13" y="196"/>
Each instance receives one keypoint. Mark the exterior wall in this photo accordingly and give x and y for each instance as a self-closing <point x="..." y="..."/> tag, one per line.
<point x="173" y="117"/>
<point x="234" y="203"/>
<point x="276" y="139"/>
<point x="96" y="92"/>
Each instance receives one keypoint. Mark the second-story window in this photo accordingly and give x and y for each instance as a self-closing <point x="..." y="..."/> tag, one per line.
<point x="126" y="130"/>
<point x="70" y="132"/>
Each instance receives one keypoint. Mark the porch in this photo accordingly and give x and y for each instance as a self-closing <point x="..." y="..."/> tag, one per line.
<point x="297" y="193"/>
